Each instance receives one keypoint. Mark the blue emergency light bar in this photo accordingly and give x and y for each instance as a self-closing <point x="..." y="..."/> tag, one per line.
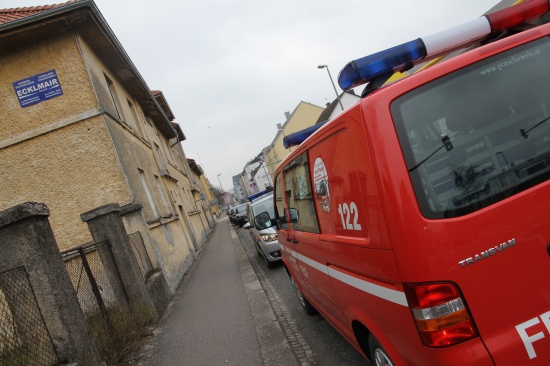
<point x="252" y="197"/>
<point x="405" y="56"/>
<point x="297" y="138"/>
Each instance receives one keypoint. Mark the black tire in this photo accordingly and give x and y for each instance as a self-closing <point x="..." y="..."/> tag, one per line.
<point x="308" y="308"/>
<point x="378" y="355"/>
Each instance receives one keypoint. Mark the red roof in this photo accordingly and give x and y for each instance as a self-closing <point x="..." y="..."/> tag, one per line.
<point x="9" y="15"/>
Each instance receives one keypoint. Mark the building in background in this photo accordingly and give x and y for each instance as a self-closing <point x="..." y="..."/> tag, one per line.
<point x="334" y="108"/>
<point x="304" y="115"/>
<point x="261" y="174"/>
<point x="240" y="192"/>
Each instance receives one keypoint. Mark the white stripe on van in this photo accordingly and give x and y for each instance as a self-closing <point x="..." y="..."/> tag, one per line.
<point x="394" y="296"/>
<point x="397" y="297"/>
<point x="318" y="266"/>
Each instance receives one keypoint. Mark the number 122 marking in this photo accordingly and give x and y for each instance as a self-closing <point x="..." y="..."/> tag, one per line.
<point x="348" y="212"/>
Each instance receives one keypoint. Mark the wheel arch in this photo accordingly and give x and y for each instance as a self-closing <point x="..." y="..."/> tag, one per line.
<point x="361" y="333"/>
<point x="363" y="327"/>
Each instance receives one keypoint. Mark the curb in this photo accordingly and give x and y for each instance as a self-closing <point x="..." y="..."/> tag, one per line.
<point x="274" y="346"/>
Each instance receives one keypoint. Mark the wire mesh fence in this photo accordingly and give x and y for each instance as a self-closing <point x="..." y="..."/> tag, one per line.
<point x="140" y="252"/>
<point x="96" y="280"/>
<point x="94" y="274"/>
<point x="24" y="338"/>
<point x="94" y="285"/>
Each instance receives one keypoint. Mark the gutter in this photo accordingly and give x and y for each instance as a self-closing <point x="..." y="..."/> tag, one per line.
<point x="82" y="4"/>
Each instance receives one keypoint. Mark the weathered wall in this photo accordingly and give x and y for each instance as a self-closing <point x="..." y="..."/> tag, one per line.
<point x="57" y="151"/>
<point x="27" y="244"/>
<point x="141" y="148"/>
<point x="61" y="55"/>
<point x="79" y="151"/>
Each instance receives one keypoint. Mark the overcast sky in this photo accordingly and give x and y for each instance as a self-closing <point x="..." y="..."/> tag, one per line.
<point x="230" y="69"/>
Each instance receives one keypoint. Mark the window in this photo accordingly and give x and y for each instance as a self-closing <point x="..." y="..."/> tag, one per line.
<point x="162" y="163"/>
<point x="148" y="193"/>
<point x="279" y="203"/>
<point x="299" y="195"/>
<point x="146" y="120"/>
<point x="114" y="98"/>
<point x="480" y="134"/>
<point x="265" y="205"/>
<point x="135" y="122"/>
<point x="161" y="191"/>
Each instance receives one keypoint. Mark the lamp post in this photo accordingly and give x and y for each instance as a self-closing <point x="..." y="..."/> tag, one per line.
<point x="223" y="192"/>
<point x="334" y="86"/>
<point x="220" y="182"/>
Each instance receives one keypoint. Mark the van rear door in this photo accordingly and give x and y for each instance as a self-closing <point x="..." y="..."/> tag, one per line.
<point x="476" y="144"/>
<point x="509" y="294"/>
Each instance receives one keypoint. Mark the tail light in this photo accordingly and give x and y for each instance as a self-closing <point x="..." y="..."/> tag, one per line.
<point x="440" y="314"/>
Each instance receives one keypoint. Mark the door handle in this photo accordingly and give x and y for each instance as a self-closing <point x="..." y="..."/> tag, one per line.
<point x="294" y="241"/>
<point x="288" y="239"/>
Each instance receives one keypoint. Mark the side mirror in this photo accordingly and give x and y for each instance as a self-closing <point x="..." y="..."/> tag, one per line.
<point x="263" y="221"/>
<point x="247" y="226"/>
<point x="293" y="214"/>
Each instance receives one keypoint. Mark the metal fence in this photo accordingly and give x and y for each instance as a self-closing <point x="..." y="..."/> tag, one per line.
<point x="140" y="252"/>
<point x="24" y="338"/>
<point x="98" y="287"/>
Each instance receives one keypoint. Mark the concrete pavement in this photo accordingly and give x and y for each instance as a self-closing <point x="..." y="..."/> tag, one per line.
<point x="219" y="314"/>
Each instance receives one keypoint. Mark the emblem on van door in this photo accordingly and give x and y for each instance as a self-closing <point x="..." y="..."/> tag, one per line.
<point x="488" y="253"/>
<point x="320" y="181"/>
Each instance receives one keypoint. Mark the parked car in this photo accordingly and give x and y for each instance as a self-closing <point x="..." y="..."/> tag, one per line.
<point x="239" y="215"/>
<point x="230" y="212"/>
<point x="261" y="229"/>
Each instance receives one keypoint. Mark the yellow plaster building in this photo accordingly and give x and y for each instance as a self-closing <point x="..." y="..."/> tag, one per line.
<point x="81" y="129"/>
<point x="303" y="116"/>
<point x="211" y="200"/>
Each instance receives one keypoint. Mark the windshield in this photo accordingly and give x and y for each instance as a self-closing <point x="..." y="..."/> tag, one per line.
<point x="241" y="208"/>
<point x="264" y="206"/>
<point x="479" y="135"/>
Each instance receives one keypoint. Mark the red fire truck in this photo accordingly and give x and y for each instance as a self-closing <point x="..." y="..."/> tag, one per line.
<point x="417" y="222"/>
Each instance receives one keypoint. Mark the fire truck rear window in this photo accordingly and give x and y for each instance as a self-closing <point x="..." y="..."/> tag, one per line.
<point x="480" y="134"/>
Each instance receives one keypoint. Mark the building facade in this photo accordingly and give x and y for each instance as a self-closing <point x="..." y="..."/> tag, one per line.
<point x="240" y="193"/>
<point x="81" y="129"/>
<point x="304" y="115"/>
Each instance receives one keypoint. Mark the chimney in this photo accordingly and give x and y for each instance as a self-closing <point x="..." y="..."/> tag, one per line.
<point x="287" y="115"/>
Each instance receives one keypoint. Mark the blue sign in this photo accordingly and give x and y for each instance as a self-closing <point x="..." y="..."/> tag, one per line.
<point x="37" y="88"/>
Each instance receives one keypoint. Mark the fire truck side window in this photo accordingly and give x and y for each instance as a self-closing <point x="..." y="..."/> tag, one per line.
<point x="299" y="194"/>
<point x="279" y="203"/>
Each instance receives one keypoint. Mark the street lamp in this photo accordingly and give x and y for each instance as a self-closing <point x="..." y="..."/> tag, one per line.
<point x="334" y="86"/>
<point x="223" y="192"/>
<point x="220" y="182"/>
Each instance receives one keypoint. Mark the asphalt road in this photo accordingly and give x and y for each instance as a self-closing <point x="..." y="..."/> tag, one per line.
<point x="313" y="340"/>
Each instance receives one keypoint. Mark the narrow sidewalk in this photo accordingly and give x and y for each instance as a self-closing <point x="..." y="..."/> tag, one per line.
<point x="219" y="313"/>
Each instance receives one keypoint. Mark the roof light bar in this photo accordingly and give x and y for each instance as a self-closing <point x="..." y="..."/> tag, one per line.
<point x="527" y="11"/>
<point x="297" y="138"/>
<point x="404" y="56"/>
<point x="252" y="197"/>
